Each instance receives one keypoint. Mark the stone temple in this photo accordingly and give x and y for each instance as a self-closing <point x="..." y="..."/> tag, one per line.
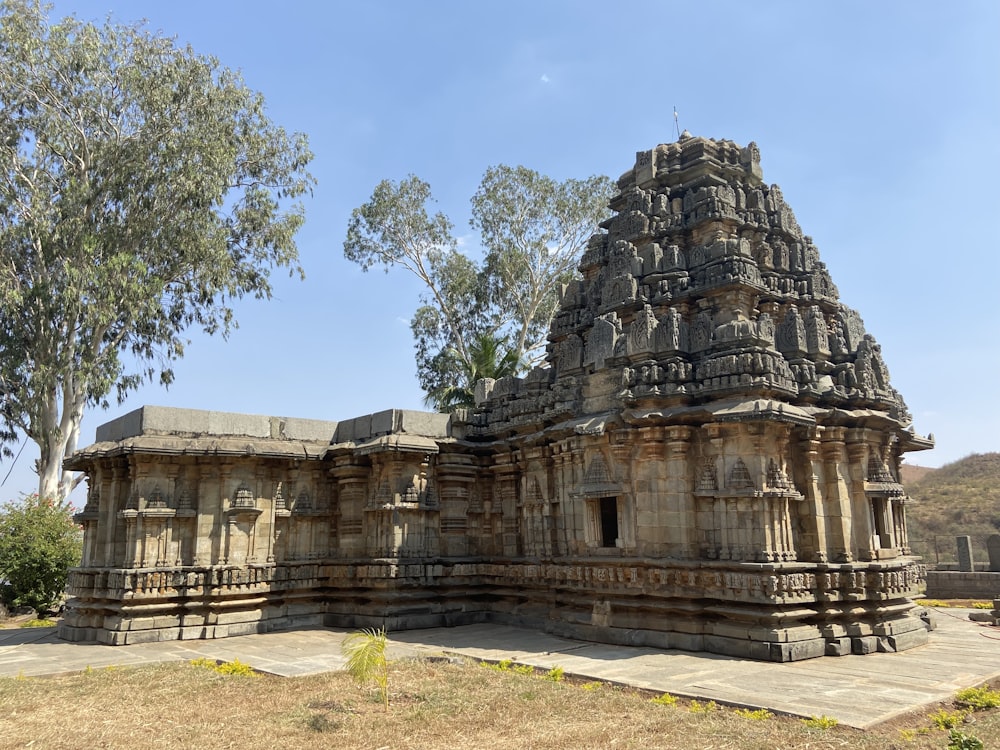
<point x="708" y="459"/>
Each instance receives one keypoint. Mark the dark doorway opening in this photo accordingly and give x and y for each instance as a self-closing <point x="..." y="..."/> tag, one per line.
<point x="609" y="521"/>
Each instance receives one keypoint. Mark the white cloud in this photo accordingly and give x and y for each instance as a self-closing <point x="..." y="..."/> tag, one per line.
<point x="544" y="78"/>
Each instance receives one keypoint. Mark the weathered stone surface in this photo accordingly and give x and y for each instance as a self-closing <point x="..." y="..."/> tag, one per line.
<point x="964" y="549"/>
<point x="993" y="549"/>
<point x="707" y="459"/>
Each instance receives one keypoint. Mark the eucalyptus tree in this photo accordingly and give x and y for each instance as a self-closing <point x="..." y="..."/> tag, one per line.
<point x="142" y="190"/>
<point x="533" y="230"/>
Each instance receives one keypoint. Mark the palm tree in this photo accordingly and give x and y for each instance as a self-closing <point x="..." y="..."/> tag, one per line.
<point x="489" y="357"/>
<point x="366" y="661"/>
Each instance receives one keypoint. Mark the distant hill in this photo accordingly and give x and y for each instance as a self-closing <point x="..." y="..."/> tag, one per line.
<point x="913" y="474"/>
<point x="960" y="498"/>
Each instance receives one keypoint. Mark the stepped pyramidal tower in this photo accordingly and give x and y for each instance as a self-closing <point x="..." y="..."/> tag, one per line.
<point x="708" y="459"/>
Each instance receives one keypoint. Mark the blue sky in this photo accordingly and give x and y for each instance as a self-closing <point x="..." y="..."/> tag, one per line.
<point x="879" y="120"/>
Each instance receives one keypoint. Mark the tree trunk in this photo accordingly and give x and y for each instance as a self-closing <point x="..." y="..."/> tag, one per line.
<point x="56" y="439"/>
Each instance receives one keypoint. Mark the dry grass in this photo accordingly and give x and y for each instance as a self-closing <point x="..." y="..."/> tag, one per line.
<point x="434" y="705"/>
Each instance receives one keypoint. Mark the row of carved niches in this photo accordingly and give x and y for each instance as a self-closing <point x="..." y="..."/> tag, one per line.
<point x="654" y="274"/>
<point x="148" y="497"/>
<point x="402" y="482"/>
<point x="646" y="214"/>
<point x="822" y="352"/>
<point x="735" y="317"/>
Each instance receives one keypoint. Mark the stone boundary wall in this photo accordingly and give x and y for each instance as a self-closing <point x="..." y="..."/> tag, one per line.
<point x="948" y="584"/>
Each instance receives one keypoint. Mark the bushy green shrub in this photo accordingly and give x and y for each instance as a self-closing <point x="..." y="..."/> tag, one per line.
<point x="958" y="740"/>
<point x="978" y="699"/>
<point x="234" y="668"/>
<point x="664" y="700"/>
<point x="759" y="714"/>
<point x="556" y="674"/>
<point x="39" y="543"/>
<point x="947" y="719"/>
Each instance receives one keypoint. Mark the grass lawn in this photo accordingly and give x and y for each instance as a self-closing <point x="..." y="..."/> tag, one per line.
<point x="433" y="705"/>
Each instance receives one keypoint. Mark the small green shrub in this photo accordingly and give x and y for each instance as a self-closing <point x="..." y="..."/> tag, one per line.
<point x="820" y="722"/>
<point x="697" y="707"/>
<point x="760" y="714"/>
<point x="234" y="668"/>
<point x="946" y="719"/>
<point x="982" y="605"/>
<point x="592" y="686"/>
<point x="504" y="665"/>
<point x="664" y="700"/>
<point x="38" y="622"/>
<point x="958" y="740"/>
<point x="932" y="603"/>
<point x="525" y="669"/>
<point x="978" y="699"/>
<point x="556" y="674"/>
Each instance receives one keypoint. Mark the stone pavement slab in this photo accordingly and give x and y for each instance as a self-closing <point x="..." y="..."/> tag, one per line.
<point x="859" y="691"/>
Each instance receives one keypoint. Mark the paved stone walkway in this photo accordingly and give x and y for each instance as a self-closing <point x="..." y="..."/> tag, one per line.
<point x="857" y="690"/>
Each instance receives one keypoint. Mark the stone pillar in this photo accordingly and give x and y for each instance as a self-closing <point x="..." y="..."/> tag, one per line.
<point x="862" y="519"/>
<point x="965" y="561"/>
<point x="680" y="516"/>
<point x="652" y="504"/>
<point x="837" y="494"/>
<point x="815" y="544"/>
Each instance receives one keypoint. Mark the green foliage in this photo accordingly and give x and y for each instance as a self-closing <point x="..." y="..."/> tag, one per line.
<point x="958" y="740"/>
<point x="697" y="707"/>
<point x="533" y="230"/>
<point x="592" y="687"/>
<point x="933" y="603"/>
<point x="978" y="699"/>
<point x="489" y="357"/>
<point x="366" y="659"/>
<point x="760" y="714"/>
<point x="39" y="622"/>
<point x="556" y="674"/>
<point x="946" y="719"/>
<point x="982" y="605"/>
<point x="820" y="722"/>
<point x="143" y="189"/>
<point x="39" y="543"/>
<point x="234" y="668"/>
<point x="664" y="700"/>
<point x="525" y="669"/>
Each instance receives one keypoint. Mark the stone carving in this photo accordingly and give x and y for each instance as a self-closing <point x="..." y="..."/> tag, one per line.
<point x="601" y="343"/>
<point x="708" y="413"/>
<point x="790" y="335"/>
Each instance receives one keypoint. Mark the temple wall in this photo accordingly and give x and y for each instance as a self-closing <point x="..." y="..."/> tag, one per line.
<point x="673" y="536"/>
